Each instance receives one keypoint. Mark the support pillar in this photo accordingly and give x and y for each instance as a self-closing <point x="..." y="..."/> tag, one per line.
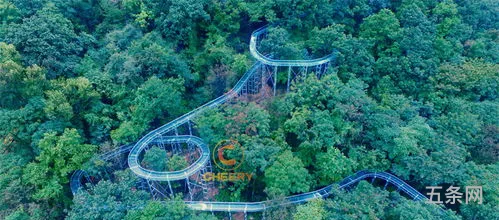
<point x="263" y="78"/>
<point x="275" y="80"/>
<point x="189" y="125"/>
<point x="319" y="71"/>
<point x="189" y="187"/>
<point x="248" y="85"/>
<point x="253" y="82"/>
<point x="170" y="187"/>
<point x="289" y="78"/>
<point x="151" y="190"/>
<point x="162" y="145"/>
<point x="177" y="145"/>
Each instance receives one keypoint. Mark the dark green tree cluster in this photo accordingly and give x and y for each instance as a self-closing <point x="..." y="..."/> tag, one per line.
<point x="410" y="98"/>
<point x="121" y="200"/>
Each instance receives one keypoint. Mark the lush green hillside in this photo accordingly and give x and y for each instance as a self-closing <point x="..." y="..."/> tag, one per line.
<point x="413" y="92"/>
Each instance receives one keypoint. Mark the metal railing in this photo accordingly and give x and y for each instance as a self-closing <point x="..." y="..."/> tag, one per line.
<point x="305" y="197"/>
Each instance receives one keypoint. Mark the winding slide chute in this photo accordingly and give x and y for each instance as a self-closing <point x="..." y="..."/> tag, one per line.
<point x="159" y="136"/>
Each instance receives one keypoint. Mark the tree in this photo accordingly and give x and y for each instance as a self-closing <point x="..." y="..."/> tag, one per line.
<point x="473" y="80"/>
<point x="240" y="120"/>
<point x="327" y="130"/>
<point x="156" y="99"/>
<point x="451" y="31"/>
<point x="68" y="101"/>
<point x="155" y="159"/>
<point x="47" y="39"/>
<point x="278" y="42"/>
<point x="333" y="166"/>
<point x="292" y="14"/>
<point x="352" y="205"/>
<point x="84" y="14"/>
<point x="324" y="41"/>
<point x="249" y="119"/>
<point x="418" y="61"/>
<point x="181" y="19"/>
<point x="18" y="215"/>
<point x="124" y="69"/>
<point x="407" y="209"/>
<point x="486" y="151"/>
<point x="485" y="176"/>
<point x="59" y="156"/>
<point x="460" y="123"/>
<point x="127" y="132"/>
<point x="154" y="57"/>
<point x="323" y="114"/>
<point x="479" y="14"/>
<point x="211" y="126"/>
<point x="313" y="210"/>
<point x="107" y="200"/>
<point x="259" y="152"/>
<point x="411" y="140"/>
<point x="351" y="13"/>
<point x="483" y="47"/>
<point x="355" y="59"/>
<point x="57" y="106"/>
<point x="373" y="159"/>
<point x="8" y="13"/>
<point x="114" y="16"/>
<point x="174" y="209"/>
<point x="443" y="165"/>
<point x="382" y="29"/>
<point x="27" y="9"/>
<point x="12" y="191"/>
<point x="177" y="162"/>
<point x="287" y="175"/>
<point x="18" y="83"/>
<point x="20" y="126"/>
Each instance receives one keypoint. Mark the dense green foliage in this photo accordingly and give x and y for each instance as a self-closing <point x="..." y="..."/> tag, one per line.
<point x="413" y="92"/>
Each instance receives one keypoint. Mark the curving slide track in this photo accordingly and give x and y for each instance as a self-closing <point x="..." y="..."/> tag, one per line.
<point x="160" y="135"/>
<point x="305" y="197"/>
<point x="144" y="142"/>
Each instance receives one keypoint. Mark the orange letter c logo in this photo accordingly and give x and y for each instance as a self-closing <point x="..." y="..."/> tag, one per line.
<point x="221" y="150"/>
<point x="236" y="155"/>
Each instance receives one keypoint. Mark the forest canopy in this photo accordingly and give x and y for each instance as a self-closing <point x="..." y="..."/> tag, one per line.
<point x="413" y="92"/>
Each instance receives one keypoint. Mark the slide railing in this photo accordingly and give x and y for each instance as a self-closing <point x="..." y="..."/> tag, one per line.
<point x="305" y="197"/>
